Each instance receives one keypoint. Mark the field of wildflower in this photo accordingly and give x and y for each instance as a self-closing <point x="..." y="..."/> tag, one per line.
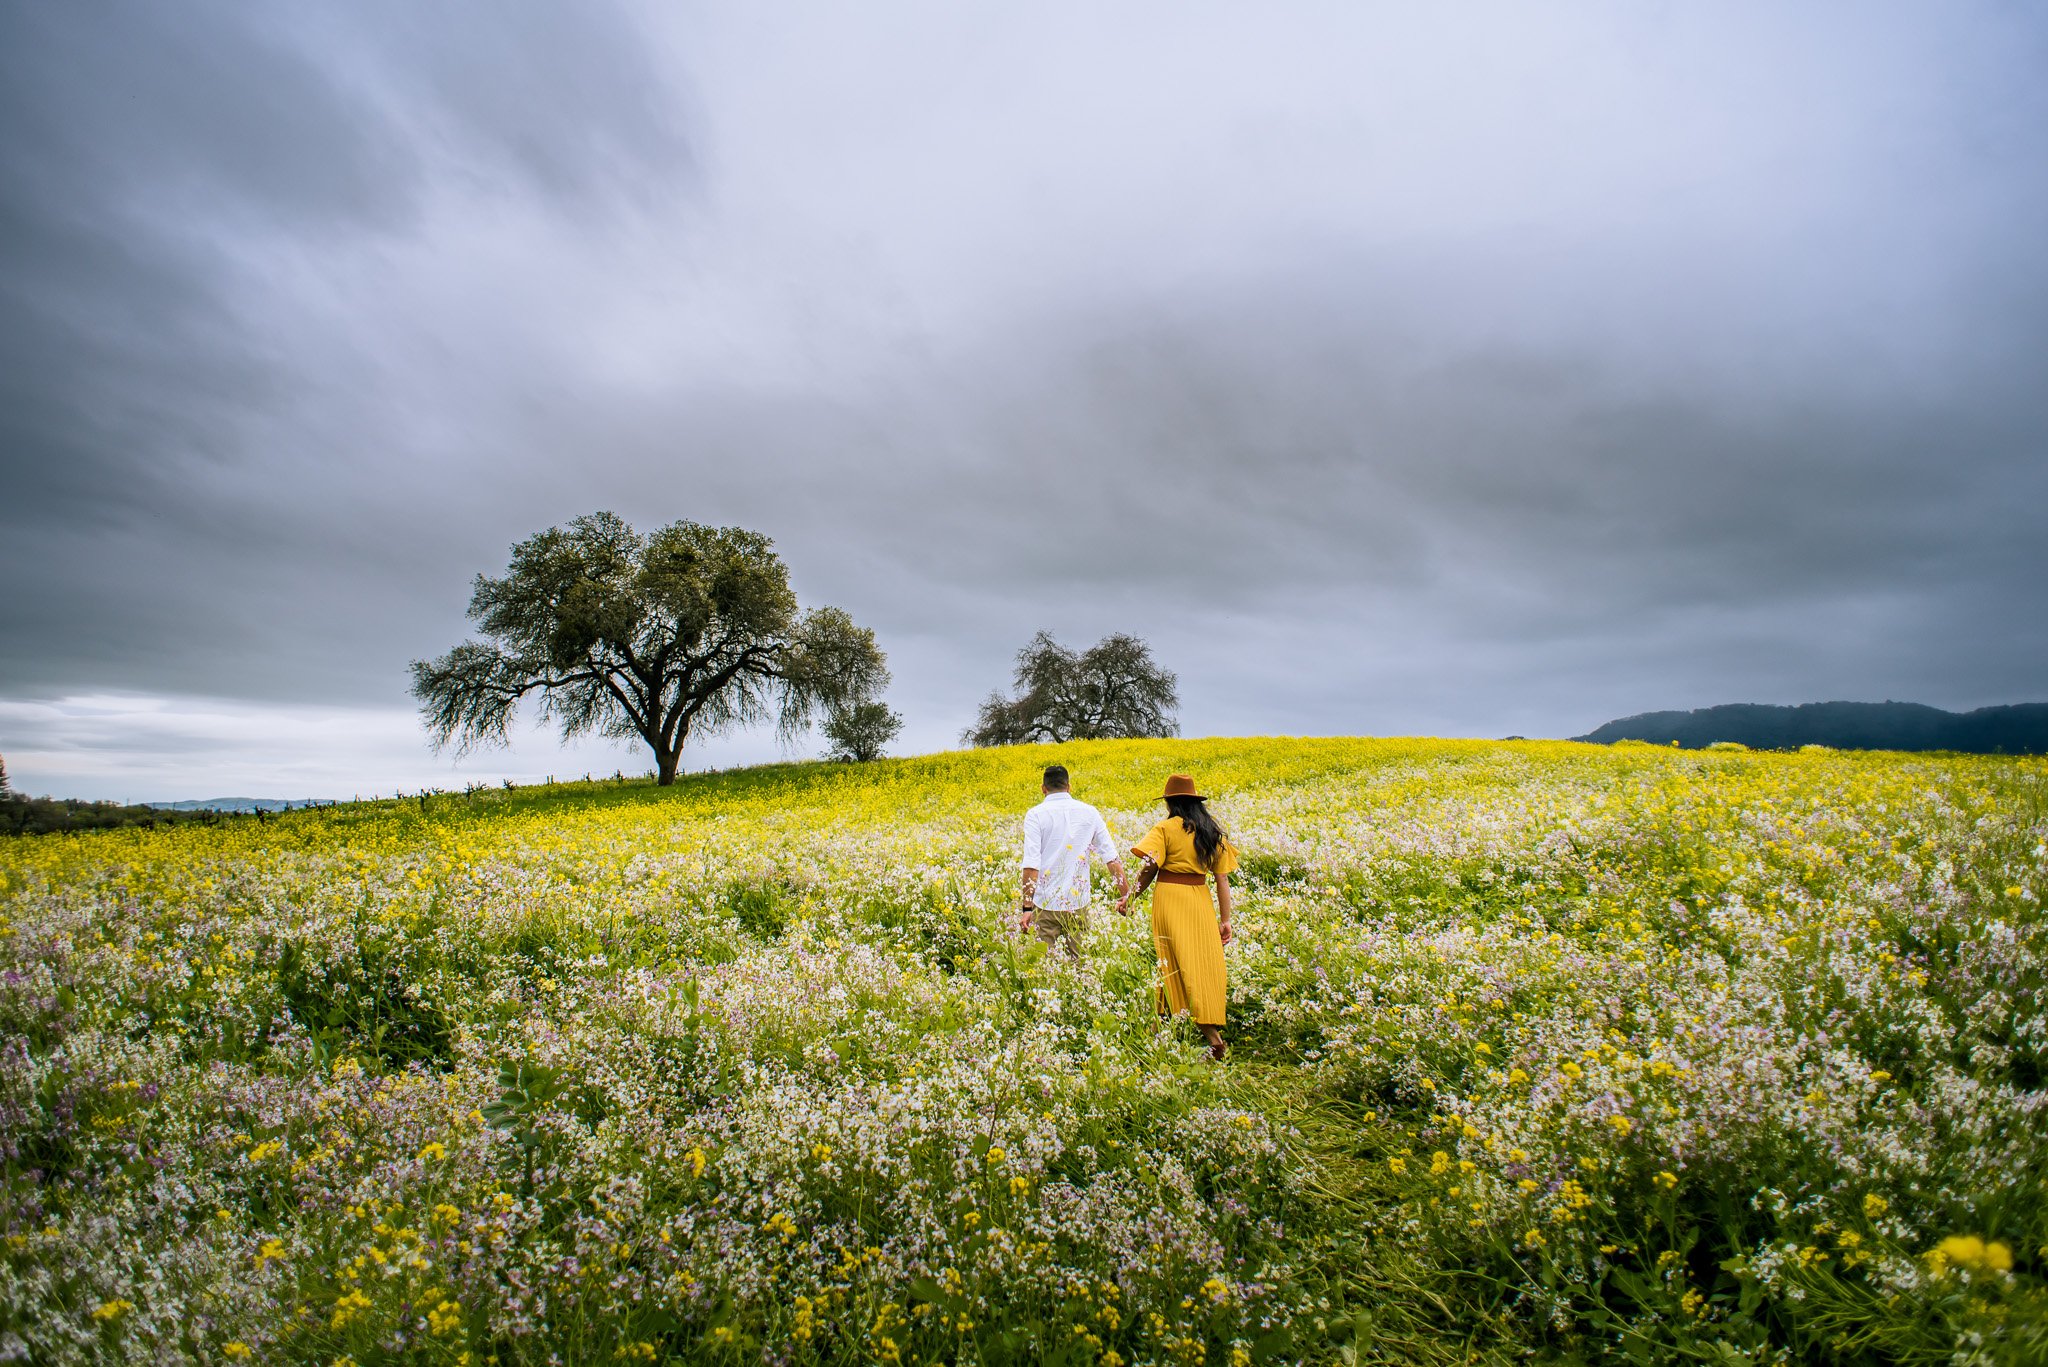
<point x="1541" y="1052"/>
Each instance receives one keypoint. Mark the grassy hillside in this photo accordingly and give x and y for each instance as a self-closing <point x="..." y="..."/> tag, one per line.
<point x="1541" y="1048"/>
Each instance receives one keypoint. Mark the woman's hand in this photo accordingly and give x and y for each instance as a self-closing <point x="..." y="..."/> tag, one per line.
<point x="1123" y="905"/>
<point x="1223" y="929"/>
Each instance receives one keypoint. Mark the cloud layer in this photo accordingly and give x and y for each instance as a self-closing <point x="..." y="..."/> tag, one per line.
<point x="1473" y="372"/>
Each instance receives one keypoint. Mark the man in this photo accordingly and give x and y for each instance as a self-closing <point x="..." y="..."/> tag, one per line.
<point x="1059" y="835"/>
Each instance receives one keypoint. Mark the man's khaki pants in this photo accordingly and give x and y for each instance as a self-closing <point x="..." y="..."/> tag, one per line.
<point x="1064" y="928"/>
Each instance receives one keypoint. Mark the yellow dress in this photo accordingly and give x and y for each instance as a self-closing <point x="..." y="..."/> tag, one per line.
<point x="1184" y="929"/>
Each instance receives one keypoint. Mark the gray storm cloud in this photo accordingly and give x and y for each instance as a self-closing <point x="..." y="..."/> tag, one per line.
<point x="1473" y="372"/>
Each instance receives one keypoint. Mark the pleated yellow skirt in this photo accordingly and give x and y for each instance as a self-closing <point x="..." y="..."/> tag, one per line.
<point x="1191" y="976"/>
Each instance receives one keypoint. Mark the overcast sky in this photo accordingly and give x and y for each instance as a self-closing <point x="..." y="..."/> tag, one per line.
<point x="1392" y="369"/>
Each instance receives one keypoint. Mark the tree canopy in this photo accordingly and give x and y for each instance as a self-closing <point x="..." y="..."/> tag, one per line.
<point x="858" y="732"/>
<point x="1112" y="689"/>
<point x="686" y="630"/>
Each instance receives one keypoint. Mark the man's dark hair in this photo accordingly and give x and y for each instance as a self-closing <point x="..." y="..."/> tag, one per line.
<point x="1056" y="777"/>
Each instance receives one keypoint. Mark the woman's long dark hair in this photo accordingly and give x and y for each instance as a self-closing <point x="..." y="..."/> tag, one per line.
<point x="1194" y="815"/>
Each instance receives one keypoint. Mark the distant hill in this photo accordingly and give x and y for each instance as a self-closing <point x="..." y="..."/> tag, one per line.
<point x="2021" y="729"/>
<point x="24" y="815"/>
<point x="239" y="804"/>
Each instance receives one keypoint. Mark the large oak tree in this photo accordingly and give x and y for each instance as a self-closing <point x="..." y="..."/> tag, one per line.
<point x="1112" y="689"/>
<point x="689" y="629"/>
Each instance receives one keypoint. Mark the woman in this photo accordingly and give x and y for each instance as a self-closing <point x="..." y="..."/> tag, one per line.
<point x="1180" y="853"/>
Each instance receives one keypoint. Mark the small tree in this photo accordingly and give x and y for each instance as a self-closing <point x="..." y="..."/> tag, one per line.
<point x="1113" y="689"/>
<point x="690" y="629"/>
<point x="858" y="732"/>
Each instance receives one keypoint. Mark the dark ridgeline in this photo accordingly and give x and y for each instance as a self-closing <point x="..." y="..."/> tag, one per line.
<point x="2020" y="729"/>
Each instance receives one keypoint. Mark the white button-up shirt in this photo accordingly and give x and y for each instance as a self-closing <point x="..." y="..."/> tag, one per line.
<point x="1059" y="835"/>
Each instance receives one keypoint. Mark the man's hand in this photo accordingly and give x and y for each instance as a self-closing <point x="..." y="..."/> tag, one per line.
<point x="1030" y="899"/>
<point x="1123" y="905"/>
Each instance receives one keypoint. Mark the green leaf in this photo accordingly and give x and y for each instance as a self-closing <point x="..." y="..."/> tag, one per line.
<point x="925" y="1289"/>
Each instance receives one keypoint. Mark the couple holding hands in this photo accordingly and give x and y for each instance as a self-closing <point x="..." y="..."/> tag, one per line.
<point x="1180" y="854"/>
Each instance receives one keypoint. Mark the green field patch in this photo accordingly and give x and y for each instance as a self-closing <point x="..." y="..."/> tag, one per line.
<point x="1540" y="1052"/>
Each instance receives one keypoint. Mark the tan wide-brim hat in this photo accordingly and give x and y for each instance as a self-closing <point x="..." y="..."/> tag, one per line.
<point x="1180" y="785"/>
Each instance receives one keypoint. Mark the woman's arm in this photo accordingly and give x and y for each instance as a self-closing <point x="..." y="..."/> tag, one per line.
<point x="1146" y="868"/>
<point x="1223" y="906"/>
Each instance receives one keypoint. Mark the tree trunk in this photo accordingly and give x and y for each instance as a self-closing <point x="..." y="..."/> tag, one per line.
<point x="666" y="763"/>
